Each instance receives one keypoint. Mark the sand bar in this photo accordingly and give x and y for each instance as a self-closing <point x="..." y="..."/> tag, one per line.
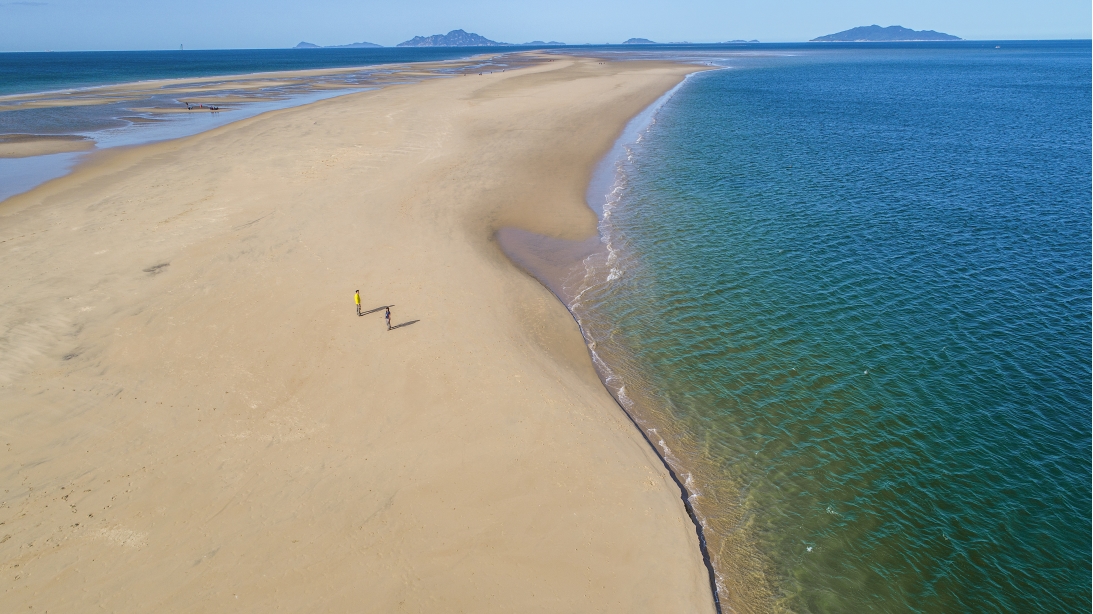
<point x="264" y="84"/>
<point x="26" y="145"/>
<point x="195" y="419"/>
<point x="174" y="110"/>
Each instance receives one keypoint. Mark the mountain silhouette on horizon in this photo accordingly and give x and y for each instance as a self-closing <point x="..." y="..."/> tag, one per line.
<point x="875" y="33"/>
<point x="362" y="45"/>
<point x="455" y="38"/>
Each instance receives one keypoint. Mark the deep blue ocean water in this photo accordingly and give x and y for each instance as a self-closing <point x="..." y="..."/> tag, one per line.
<point x="849" y="292"/>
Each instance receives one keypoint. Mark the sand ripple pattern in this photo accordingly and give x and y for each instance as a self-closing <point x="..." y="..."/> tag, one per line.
<point x="851" y="294"/>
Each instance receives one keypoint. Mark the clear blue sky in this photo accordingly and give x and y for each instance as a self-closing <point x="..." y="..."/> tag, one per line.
<point x="30" y="25"/>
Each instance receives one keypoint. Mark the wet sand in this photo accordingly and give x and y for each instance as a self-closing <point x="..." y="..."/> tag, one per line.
<point x="27" y="145"/>
<point x="196" y="419"/>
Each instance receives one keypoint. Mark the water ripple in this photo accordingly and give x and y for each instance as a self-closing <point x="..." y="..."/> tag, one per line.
<point x="852" y="296"/>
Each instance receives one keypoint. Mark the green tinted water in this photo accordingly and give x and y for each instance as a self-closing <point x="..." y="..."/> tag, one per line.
<point x="849" y="293"/>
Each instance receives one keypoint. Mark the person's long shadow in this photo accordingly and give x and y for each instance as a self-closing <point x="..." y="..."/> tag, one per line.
<point x="380" y="308"/>
<point x="405" y="324"/>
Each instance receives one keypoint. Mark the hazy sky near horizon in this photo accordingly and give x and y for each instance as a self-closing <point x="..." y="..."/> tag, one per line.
<point x="39" y="25"/>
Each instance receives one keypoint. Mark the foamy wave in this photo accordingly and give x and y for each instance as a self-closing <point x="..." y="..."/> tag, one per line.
<point x="626" y="401"/>
<point x="689" y="482"/>
<point x="660" y="443"/>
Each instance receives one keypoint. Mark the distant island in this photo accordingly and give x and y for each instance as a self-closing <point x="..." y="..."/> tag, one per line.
<point x="638" y="41"/>
<point x="306" y="45"/>
<point x="740" y="40"/>
<point x="455" y="38"/>
<point x="553" y="43"/>
<point x="875" y="33"/>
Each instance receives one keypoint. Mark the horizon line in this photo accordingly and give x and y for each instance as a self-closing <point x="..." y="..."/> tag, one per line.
<point x="620" y="44"/>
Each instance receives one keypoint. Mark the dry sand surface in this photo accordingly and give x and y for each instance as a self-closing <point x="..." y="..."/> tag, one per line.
<point x="195" y="419"/>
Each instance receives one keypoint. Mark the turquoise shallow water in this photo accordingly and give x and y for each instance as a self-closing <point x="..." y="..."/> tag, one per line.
<point x="849" y="291"/>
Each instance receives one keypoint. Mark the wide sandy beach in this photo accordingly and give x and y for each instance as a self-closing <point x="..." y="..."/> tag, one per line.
<point x="195" y="418"/>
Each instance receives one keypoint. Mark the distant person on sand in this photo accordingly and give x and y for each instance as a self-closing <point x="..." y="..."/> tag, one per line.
<point x="387" y="316"/>
<point x="357" y="299"/>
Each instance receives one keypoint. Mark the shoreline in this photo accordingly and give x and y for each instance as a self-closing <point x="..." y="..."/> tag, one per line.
<point x="553" y="262"/>
<point x="445" y="462"/>
<point x="568" y="269"/>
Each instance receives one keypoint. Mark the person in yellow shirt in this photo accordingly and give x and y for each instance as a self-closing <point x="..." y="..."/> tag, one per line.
<point x="357" y="299"/>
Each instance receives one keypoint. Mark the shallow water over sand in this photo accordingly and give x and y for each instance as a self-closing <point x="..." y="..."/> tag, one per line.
<point x="849" y="292"/>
